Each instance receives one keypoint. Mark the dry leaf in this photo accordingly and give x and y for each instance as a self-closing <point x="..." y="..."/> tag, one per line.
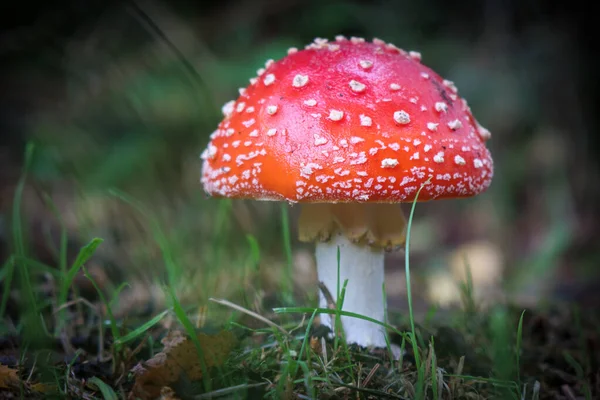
<point x="9" y="377"/>
<point x="9" y="380"/>
<point x="315" y="344"/>
<point x="180" y="357"/>
<point x="167" y="393"/>
<point x="43" y="388"/>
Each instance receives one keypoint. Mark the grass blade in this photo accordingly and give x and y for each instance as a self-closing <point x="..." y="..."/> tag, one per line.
<point x="304" y="348"/>
<point x="140" y="330"/>
<point x="8" y="270"/>
<point x="421" y="378"/>
<point x="30" y="314"/>
<point x="518" y="349"/>
<point x="84" y="255"/>
<point x="107" y="392"/>
<point x="287" y="247"/>
<point x="254" y="251"/>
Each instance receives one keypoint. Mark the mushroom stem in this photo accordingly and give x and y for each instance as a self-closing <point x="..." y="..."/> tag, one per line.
<point x="362" y="232"/>
<point x="362" y="266"/>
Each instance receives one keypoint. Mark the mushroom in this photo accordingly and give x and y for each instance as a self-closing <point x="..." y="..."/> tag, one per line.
<point x="348" y="129"/>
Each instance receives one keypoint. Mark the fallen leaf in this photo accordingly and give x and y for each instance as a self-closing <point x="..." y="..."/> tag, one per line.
<point x="178" y="359"/>
<point x="8" y="377"/>
<point x="315" y="344"/>
<point x="167" y="393"/>
<point x="43" y="388"/>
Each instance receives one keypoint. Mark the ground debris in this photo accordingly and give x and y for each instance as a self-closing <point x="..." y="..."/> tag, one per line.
<point x="9" y="378"/>
<point x="180" y="359"/>
<point x="12" y="386"/>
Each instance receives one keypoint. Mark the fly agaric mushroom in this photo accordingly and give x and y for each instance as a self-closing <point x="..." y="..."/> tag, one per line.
<point x="347" y="129"/>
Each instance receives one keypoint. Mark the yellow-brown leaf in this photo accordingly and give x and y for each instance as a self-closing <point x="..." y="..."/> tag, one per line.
<point x="180" y="358"/>
<point x="9" y="377"/>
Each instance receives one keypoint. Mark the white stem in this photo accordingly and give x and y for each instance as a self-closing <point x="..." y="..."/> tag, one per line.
<point x="362" y="266"/>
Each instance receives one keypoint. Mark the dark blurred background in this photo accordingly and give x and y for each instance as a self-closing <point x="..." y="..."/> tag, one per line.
<point x="124" y="95"/>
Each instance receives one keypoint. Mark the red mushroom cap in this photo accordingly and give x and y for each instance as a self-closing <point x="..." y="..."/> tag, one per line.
<point x="347" y="121"/>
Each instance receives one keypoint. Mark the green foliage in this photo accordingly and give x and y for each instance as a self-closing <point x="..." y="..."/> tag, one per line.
<point x="107" y="392"/>
<point x="138" y="110"/>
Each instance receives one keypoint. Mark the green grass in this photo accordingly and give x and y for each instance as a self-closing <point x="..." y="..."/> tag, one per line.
<point x="31" y="320"/>
<point x="484" y="353"/>
<point x="287" y="247"/>
<point x="67" y="279"/>
<point x="420" y="393"/>
<point x="107" y="392"/>
<point x="153" y="105"/>
<point x="6" y="275"/>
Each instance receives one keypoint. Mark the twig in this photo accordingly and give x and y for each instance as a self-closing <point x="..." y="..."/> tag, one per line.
<point x="331" y="303"/>
<point x="228" y="390"/>
<point x="568" y="392"/>
<point x="251" y="313"/>
<point x="66" y="344"/>
<point x="76" y="301"/>
<point x="377" y="393"/>
<point x="300" y="325"/>
<point x="366" y="381"/>
<point x="324" y="351"/>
